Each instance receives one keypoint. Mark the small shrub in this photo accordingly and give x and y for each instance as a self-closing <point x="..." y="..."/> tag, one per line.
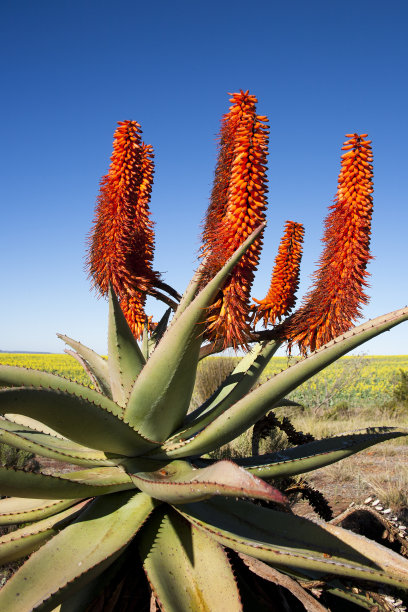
<point x="400" y="393"/>
<point x="16" y="458"/>
<point x="211" y="373"/>
<point x="339" y="411"/>
<point x="398" y="405"/>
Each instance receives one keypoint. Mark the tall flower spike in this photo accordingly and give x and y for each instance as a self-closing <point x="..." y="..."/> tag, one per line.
<point x="281" y="296"/>
<point x="122" y="239"/>
<point x="334" y="303"/>
<point x="237" y="207"/>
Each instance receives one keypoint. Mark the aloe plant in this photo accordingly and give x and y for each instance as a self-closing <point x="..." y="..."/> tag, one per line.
<point x="143" y="486"/>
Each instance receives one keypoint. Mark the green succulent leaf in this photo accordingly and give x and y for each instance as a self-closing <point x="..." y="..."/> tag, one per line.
<point x="97" y="365"/>
<point x="248" y="368"/>
<point x="159" y="330"/>
<point x="237" y="419"/>
<point x="145" y="346"/>
<point x="287" y="540"/>
<point x="46" y="445"/>
<point x="15" y="510"/>
<point x="187" y="569"/>
<point x="92" y="423"/>
<point x="316" y="454"/>
<point x="236" y="385"/>
<point x="149" y="343"/>
<point x="15" y="376"/>
<point x="125" y="359"/>
<point x="70" y="485"/>
<point x="27" y="422"/>
<point x="89" y="593"/>
<point x="161" y="395"/>
<point x="75" y="556"/>
<point x="178" y="483"/>
<point x="23" y="541"/>
<point x="359" y="597"/>
<point x="190" y="292"/>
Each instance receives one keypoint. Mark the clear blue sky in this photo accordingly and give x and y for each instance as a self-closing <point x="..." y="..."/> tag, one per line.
<point x="72" y="69"/>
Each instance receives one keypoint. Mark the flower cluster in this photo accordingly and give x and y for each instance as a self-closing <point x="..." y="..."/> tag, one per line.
<point x="281" y="296"/>
<point x="333" y="303"/>
<point x="237" y="207"/>
<point x="122" y="240"/>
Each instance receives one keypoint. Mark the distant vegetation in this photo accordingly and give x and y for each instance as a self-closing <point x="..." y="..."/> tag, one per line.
<point x="352" y="382"/>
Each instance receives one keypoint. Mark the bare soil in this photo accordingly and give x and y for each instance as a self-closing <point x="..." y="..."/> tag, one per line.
<point x="379" y="471"/>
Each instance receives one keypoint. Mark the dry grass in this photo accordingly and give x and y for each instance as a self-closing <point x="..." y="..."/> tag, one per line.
<point x="324" y="428"/>
<point x="391" y="487"/>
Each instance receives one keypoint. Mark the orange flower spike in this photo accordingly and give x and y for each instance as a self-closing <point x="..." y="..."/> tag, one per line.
<point x="334" y="303"/>
<point x="138" y="247"/>
<point x="121" y="242"/>
<point x="237" y="207"/>
<point x="219" y="195"/>
<point x="281" y="296"/>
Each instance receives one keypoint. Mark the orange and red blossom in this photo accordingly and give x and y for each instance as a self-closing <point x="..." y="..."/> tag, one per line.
<point x="121" y="243"/>
<point x="281" y="296"/>
<point x="237" y="207"/>
<point x="334" y="302"/>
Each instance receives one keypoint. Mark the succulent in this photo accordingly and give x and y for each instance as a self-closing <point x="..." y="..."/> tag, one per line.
<point x="143" y="486"/>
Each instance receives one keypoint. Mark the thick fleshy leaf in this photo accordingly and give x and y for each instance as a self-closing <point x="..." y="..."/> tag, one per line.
<point x="15" y="510"/>
<point x="362" y="598"/>
<point x="23" y="541"/>
<point x="92" y="423"/>
<point x="97" y="365"/>
<point x="316" y="454"/>
<point x="78" y="553"/>
<point x="33" y="424"/>
<point x="50" y="446"/>
<point x="237" y="419"/>
<point x="90" y="593"/>
<point x="149" y="342"/>
<point x="236" y="385"/>
<point x="70" y="485"/>
<point x="178" y="482"/>
<point x="15" y="376"/>
<point x="187" y="570"/>
<point x="190" y="292"/>
<point x="87" y="369"/>
<point x="158" y="331"/>
<point x="161" y="395"/>
<point x="145" y="342"/>
<point x="250" y="366"/>
<point x="287" y="540"/>
<point x="125" y="359"/>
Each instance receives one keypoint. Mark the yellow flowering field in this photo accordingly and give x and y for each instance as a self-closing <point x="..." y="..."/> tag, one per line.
<point x="355" y="380"/>
<point x="364" y="380"/>
<point x="58" y="363"/>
